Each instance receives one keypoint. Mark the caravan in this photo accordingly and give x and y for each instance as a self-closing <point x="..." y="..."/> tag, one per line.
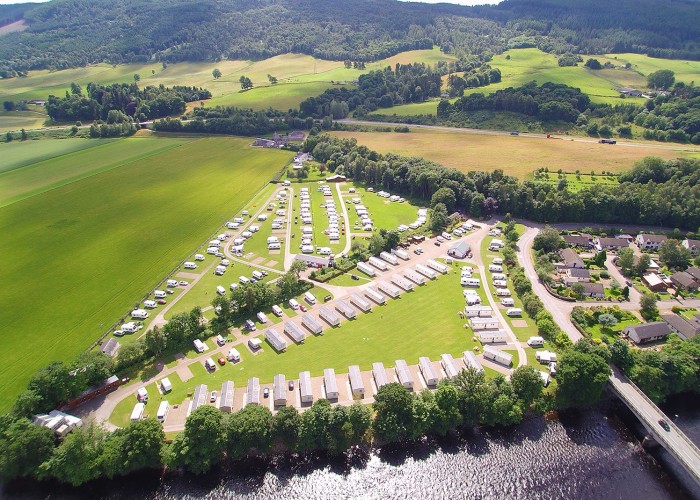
<point x="514" y="312"/>
<point x="310" y="298"/>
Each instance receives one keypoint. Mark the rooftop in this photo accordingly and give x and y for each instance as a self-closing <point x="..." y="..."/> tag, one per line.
<point x="649" y="330"/>
<point x="685" y="329"/>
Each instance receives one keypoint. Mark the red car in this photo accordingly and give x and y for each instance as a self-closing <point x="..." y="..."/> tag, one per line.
<point x="222" y="361"/>
<point x="161" y="301"/>
<point x="302" y="307"/>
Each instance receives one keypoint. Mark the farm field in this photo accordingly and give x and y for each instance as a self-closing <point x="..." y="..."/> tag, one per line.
<point x="84" y="252"/>
<point x="17" y="120"/>
<point x="576" y="182"/>
<point x="482" y="152"/>
<point x="404" y="328"/>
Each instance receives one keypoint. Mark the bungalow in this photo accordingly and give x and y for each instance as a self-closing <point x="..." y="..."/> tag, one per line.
<point x="336" y="178"/>
<point x="578" y="240"/>
<point x="694" y="272"/>
<point x="653" y="266"/>
<point x="647" y="332"/>
<point x="611" y="244"/>
<point x="654" y="282"/>
<point x="650" y="241"/>
<point x="459" y="249"/>
<point x="685" y="329"/>
<point x="693" y="246"/>
<point x="684" y="280"/>
<point x="629" y="92"/>
<point x="595" y="290"/>
<point x="571" y="259"/>
<point x="575" y="274"/>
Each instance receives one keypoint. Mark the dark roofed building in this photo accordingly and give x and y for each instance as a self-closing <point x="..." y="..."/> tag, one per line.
<point x="110" y="347"/>
<point x="694" y="272"/>
<point x="595" y="290"/>
<point x="650" y="241"/>
<point x="571" y="258"/>
<point x="684" y="280"/>
<point x="577" y="274"/>
<point x="693" y="246"/>
<point x="579" y="240"/>
<point x="648" y="332"/>
<point x="611" y="243"/>
<point x="685" y="329"/>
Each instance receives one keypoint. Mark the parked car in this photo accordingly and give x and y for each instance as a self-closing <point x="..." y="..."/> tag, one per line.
<point x="183" y="283"/>
<point x="303" y="308"/>
<point x="327" y="298"/>
<point x="170" y="291"/>
<point x="222" y="361"/>
<point x="664" y="425"/>
<point x="212" y="398"/>
<point x="266" y="392"/>
<point x="355" y="276"/>
<point x="161" y="301"/>
<point x="437" y="243"/>
<point x="291" y="385"/>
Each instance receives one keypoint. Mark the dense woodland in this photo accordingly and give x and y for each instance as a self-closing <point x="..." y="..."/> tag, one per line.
<point x="70" y="33"/>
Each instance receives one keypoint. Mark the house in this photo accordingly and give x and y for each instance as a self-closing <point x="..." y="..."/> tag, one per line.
<point x="578" y="240"/>
<point x="648" y="332"/>
<point x="629" y="92"/>
<point x="459" y="249"/>
<point x="611" y="244"/>
<point x="295" y="135"/>
<point x="694" y="272"/>
<point x="653" y="266"/>
<point x="685" y="329"/>
<point x="650" y="241"/>
<point x="575" y="274"/>
<point x="693" y="246"/>
<point x="571" y="259"/>
<point x="110" y="347"/>
<point x="684" y="280"/>
<point x="654" y="282"/>
<point x="595" y="290"/>
<point x="336" y="178"/>
<point x="313" y="261"/>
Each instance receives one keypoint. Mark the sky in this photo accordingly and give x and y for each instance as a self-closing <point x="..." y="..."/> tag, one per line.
<point x="460" y="2"/>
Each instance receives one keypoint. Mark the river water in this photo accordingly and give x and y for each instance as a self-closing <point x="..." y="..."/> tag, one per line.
<point x="577" y="455"/>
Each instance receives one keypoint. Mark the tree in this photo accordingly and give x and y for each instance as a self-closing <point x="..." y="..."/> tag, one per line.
<point x="247" y="429"/>
<point x="9" y="137"/>
<point x="620" y="355"/>
<point x="216" y="73"/>
<point x="651" y="380"/>
<point x="393" y="413"/>
<point x="643" y="263"/>
<point x="140" y="445"/>
<point x="647" y="306"/>
<point x="490" y="205"/>
<point x="92" y="368"/>
<point x="272" y="79"/>
<point x="625" y="261"/>
<point x="527" y="384"/>
<point x="392" y="239"/>
<point x="23" y="135"/>
<point x="360" y="417"/>
<point x="473" y="395"/>
<point x="476" y="207"/>
<point x="446" y="196"/>
<point x="579" y="290"/>
<point x="662" y="79"/>
<point x="548" y="240"/>
<point x="626" y="292"/>
<point x="137" y="77"/>
<point x="674" y="255"/>
<point x="593" y="64"/>
<point x="448" y="416"/>
<point x="9" y="105"/>
<point x="581" y="378"/>
<point x="246" y="83"/>
<point x="438" y="218"/>
<point x="607" y="320"/>
<point x="80" y="458"/>
<point x="285" y="425"/>
<point x="376" y="244"/>
<point x="156" y="341"/>
<point x="53" y="384"/>
<point x="23" y="447"/>
<point x="200" y="446"/>
<point x="600" y="258"/>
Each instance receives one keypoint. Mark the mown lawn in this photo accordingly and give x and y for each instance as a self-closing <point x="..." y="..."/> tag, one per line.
<point x="82" y="254"/>
<point x="385" y="214"/>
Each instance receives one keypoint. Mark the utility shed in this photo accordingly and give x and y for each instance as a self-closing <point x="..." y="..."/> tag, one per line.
<point x="296" y="333"/>
<point x="252" y="396"/>
<point x="360" y="303"/>
<point x="356" y="383"/>
<point x="412" y="275"/>
<point x="426" y="368"/>
<point x="401" y="282"/>
<point x="305" y="390"/>
<point x="279" y="390"/>
<point x="427" y="272"/>
<point x="276" y="340"/>
<point x="404" y="374"/>
<point x="199" y="398"/>
<point x="471" y="361"/>
<point x="449" y="365"/>
<point x="312" y="324"/>
<point x="329" y="316"/>
<point x="497" y="355"/>
<point x="345" y="309"/>
<point x="374" y="295"/>
<point x="330" y="384"/>
<point x="379" y="374"/>
<point x="388" y="289"/>
<point x="226" y="400"/>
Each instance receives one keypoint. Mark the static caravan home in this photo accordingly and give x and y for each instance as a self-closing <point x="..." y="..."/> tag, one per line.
<point x="473" y="282"/>
<point x="379" y="374"/>
<point x="329" y="316"/>
<point x="437" y="266"/>
<point x="401" y="254"/>
<point x="498" y="261"/>
<point x="360" y="303"/>
<point x="471" y="361"/>
<point x="535" y="341"/>
<point x="386" y="256"/>
<point x="163" y="409"/>
<point x="226" y="400"/>
<point x="546" y="357"/>
<point x="190" y="265"/>
<point x="493" y="336"/>
<point x="330" y="384"/>
<point x="483" y="323"/>
<point x="503" y="292"/>
<point x="356" y="384"/>
<point x="418" y="279"/>
<point x="139" y="314"/>
<point x="130" y="327"/>
<point x="500" y="283"/>
<point x="312" y="324"/>
<point x="374" y="295"/>
<point x="426" y="368"/>
<point x="388" y="289"/>
<point x="137" y="412"/>
<point x="275" y="340"/>
<point x="404" y="374"/>
<point x="252" y="396"/>
<point x="165" y="385"/>
<point x="498" y="277"/>
<point x="345" y="309"/>
<point x="367" y="269"/>
<point x="279" y="390"/>
<point x="294" y="332"/>
<point x="507" y="301"/>
<point x="449" y="365"/>
<point x="498" y="356"/>
<point x="428" y="273"/>
<point x="495" y="268"/>
<point x="199" y="398"/>
<point x="514" y="312"/>
<point x="305" y="390"/>
<point x="477" y="311"/>
<point x="378" y="263"/>
<point x="401" y="282"/>
<point x="198" y="345"/>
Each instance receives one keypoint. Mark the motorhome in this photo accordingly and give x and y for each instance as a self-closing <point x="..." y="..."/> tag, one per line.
<point x="276" y="310"/>
<point x="220" y="290"/>
<point x="310" y="298"/>
<point x="233" y="355"/>
<point x="514" y="312"/>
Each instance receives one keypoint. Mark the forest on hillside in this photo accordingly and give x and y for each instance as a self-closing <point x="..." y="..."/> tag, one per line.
<point x="72" y="33"/>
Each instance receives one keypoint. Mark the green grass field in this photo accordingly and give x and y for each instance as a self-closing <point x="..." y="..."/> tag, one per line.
<point x="404" y="328"/>
<point x="576" y="182"/>
<point x="385" y="214"/>
<point x="83" y="253"/>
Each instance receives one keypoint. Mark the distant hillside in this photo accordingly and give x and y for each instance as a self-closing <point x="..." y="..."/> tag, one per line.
<point x="69" y="33"/>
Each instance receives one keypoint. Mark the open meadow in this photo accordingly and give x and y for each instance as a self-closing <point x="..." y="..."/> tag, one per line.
<point x="518" y="156"/>
<point x="116" y="218"/>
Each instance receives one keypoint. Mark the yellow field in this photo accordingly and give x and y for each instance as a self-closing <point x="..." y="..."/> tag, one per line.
<point x="518" y="156"/>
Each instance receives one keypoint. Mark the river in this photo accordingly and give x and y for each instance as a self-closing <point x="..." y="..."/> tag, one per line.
<point x="589" y="454"/>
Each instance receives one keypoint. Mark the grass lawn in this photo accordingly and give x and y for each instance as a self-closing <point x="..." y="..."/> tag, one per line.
<point x="385" y="214"/>
<point x="346" y="280"/>
<point x="465" y="152"/>
<point x="577" y="182"/>
<point x="282" y="96"/>
<point x="689" y="314"/>
<point x="596" y="331"/>
<point x="82" y="254"/>
<point x="404" y="328"/>
<point x="685" y="71"/>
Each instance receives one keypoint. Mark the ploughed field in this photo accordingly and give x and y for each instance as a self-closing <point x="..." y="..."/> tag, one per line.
<point x="88" y="232"/>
